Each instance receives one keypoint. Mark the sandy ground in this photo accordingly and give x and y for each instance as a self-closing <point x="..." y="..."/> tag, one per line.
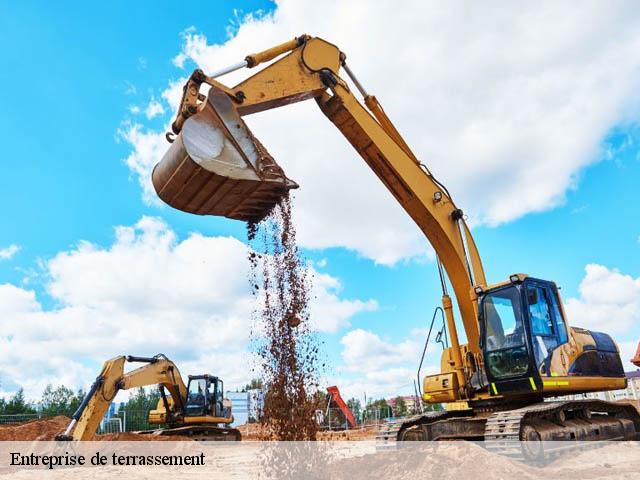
<point x="353" y="461"/>
<point x="255" y="431"/>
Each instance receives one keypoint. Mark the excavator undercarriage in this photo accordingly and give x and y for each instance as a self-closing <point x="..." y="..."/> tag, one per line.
<point x="516" y="432"/>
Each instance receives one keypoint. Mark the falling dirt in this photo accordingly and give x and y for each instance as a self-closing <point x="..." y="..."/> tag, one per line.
<point x="42" y="429"/>
<point x="286" y="347"/>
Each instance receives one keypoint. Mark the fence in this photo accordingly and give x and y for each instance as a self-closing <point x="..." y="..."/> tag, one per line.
<point x="123" y="421"/>
<point x="23" y="417"/>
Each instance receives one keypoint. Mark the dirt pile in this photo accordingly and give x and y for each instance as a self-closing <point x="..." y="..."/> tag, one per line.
<point x="42" y="429"/>
<point x="348" y="435"/>
<point x="286" y="347"/>
<point x="447" y="460"/>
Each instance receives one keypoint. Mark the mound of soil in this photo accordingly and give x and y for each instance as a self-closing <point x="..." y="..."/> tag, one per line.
<point x="42" y="429"/>
<point x="348" y="435"/>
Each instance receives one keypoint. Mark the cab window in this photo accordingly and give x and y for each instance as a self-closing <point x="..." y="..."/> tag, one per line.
<point x="561" y="328"/>
<point x="539" y="312"/>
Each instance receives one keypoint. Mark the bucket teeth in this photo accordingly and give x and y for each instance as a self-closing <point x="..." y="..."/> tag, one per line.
<point x="215" y="166"/>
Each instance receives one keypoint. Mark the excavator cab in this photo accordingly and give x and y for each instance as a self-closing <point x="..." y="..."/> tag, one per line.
<point x="205" y="396"/>
<point x="523" y="330"/>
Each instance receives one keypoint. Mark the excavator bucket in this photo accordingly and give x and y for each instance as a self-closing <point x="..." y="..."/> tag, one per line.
<point x="215" y="166"/>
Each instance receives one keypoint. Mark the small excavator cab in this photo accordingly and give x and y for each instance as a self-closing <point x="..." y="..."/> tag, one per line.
<point x="204" y="397"/>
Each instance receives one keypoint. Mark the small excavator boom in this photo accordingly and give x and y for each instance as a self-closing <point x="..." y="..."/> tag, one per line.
<point x="157" y="370"/>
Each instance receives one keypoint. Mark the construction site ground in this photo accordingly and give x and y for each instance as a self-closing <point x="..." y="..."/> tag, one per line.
<point x="344" y="460"/>
<point x="47" y="429"/>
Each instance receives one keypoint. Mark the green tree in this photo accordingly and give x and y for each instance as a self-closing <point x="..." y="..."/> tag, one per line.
<point x="433" y="407"/>
<point x="143" y="400"/>
<point x="17" y="405"/>
<point x="378" y="408"/>
<point x="401" y="407"/>
<point x="356" y="408"/>
<point x="60" y="401"/>
<point x="255" y="384"/>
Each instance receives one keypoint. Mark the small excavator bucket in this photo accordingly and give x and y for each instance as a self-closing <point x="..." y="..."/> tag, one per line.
<point x="215" y="166"/>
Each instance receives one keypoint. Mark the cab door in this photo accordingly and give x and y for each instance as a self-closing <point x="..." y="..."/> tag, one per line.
<point x="547" y="326"/>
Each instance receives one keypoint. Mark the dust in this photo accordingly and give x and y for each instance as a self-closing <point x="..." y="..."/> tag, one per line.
<point x="287" y="349"/>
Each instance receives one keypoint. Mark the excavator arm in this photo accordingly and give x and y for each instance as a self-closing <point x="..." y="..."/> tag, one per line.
<point x="157" y="370"/>
<point x="309" y="68"/>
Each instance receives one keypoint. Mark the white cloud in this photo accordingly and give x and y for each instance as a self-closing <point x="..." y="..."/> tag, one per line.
<point x="627" y="352"/>
<point x="154" y="108"/>
<point x="501" y="101"/>
<point x="9" y="252"/>
<point x="330" y="313"/>
<point x="609" y="301"/>
<point x="148" y="292"/>
<point x="148" y="148"/>
<point x="173" y="94"/>
<point x="134" y="109"/>
<point x="366" y="351"/>
<point x="383" y="368"/>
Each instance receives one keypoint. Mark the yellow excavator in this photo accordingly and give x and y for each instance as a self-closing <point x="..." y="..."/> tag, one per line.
<point x="197" y="410"/>
<point x="519" y="350"/>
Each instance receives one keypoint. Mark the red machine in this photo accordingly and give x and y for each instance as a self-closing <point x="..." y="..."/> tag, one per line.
<point x="337" y="398"/>
<point x="636" y="360"/>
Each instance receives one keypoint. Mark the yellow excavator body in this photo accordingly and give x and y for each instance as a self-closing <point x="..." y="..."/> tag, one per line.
<point x="520" y="347"/>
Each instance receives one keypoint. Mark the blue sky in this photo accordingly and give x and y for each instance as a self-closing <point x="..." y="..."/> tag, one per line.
<point x="72" y="76"/>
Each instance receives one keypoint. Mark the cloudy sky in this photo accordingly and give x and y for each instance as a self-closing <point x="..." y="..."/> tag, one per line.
<point x="528" y="113"/>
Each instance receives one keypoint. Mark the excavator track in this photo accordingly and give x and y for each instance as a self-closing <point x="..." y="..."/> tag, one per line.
<point x="205" y="433"/>
<point x="519" y="433"/>
<point x="389" y="433"/>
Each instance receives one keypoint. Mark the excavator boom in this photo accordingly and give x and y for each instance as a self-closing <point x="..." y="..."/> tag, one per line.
<point x="198" y="175"/>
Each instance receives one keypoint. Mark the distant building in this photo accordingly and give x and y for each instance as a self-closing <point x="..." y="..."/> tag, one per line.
<point x="256" y="403"/>
<point x="409" y="400"/>
<point x="245" y="405"/>
<point x="240" y="407"/>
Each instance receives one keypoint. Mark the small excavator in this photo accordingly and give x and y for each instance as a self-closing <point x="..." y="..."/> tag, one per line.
<point x="197" y="410"/>
<point x="520" y="348"/>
